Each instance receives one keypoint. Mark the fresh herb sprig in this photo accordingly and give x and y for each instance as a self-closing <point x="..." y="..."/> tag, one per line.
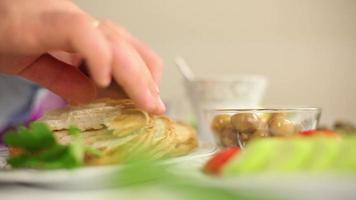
<point x="38" y="148"/>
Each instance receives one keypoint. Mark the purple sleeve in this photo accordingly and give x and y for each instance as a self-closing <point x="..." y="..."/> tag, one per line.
<point x="41" y="102"/>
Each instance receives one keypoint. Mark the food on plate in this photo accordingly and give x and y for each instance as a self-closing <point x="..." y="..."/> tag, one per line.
<point x="117" y="131"/>
<point x="186" y="139"/>
<point x="246" y="122"/>
<point x="316" y="153"/>
<point x="280" y="126"/>
<point x="220" y="122"/>
<point x="345" y="127"/>
<point x="326" y="133"/>
<point x="238" y="129"/>
<point x="36" y="147"/>
<point x="215" y="164"/>
<point x="226" y="133"/>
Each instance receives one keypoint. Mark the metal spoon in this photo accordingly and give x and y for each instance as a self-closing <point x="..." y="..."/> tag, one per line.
<point x="184" y="69"/>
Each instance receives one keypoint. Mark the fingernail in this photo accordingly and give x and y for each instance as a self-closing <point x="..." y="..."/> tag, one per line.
<point x="161" y="106"/>
<point x="108" y="79"/>
<point x="150" y="101"/>
<point x="155" y="89"/>
<point x="106" y="82"/>
<point x="103" y="83"/>
<point x="154" y="102"/>
<point x="95" y="23"/>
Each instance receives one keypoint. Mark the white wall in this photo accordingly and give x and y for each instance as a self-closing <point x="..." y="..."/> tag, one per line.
<point x="306" y="47"/>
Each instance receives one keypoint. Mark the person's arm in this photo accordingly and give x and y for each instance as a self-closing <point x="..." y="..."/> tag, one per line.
<point x="33" y="32"/>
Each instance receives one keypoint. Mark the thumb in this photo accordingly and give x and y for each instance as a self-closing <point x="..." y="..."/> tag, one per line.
<point x="61" y="78"/>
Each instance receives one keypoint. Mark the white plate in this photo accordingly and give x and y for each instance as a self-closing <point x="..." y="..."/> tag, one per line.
<point x="86" y="176"/>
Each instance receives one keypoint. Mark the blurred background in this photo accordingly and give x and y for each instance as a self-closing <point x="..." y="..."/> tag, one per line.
<point x="307" y="48"/>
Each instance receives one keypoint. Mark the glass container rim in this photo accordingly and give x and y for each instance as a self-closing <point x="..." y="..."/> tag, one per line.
<point x="272" y="110"/>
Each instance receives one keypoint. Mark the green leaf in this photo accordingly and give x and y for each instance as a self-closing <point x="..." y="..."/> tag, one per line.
<point x="92" y="151"/>
<point x="36" y="137"/>
<point x="41" y="150"/>
<point x="73" y="130"/>
<point x="52" y="153"/>
<point x="18" y="161"/>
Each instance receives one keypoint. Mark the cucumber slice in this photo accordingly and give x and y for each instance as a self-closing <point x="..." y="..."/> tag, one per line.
<point x="327" y="153"/>
<point x="294" y="156"/>
<point x="255" y="159"/>
<point x="346" y="161"/>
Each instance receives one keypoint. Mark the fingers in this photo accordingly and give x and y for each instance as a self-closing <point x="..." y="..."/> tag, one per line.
<point x="114" y="91"/>
<point x="152" y="60"/>
<point x="132" y="73"/>
<point x="60" y="78"/>
<point x="34" y="28"/>
<point x="68" y="58"/>
<point x="105" y="52"/>
<point x="76" y="32"/>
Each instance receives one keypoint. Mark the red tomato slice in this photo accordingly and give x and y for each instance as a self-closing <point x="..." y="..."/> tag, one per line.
<point x="215" y="164"/>
<point x="326" y="133"/>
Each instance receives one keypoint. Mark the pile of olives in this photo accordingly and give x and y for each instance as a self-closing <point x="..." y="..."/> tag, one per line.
<point x="238" y="129"/>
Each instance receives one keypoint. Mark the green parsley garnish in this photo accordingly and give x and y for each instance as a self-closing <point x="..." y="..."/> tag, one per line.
<point x="39" y="148"/>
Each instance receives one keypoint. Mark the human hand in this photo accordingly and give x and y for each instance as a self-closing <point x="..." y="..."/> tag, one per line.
<point x="35" y="34"/>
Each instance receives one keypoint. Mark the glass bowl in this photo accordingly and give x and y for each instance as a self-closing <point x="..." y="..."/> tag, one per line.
<point x="236" y="127"/>
<point x="206" y="92"/>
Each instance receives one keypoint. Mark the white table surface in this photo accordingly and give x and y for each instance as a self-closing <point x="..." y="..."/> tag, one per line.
<point x="295" y="187"/>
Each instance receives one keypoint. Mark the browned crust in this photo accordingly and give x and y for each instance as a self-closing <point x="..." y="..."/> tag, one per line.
<point x="187" y="139"/>
<point x="176" y="139"/>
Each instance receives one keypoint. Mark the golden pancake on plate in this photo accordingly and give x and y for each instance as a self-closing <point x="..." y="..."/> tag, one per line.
<point x="119" y="131"/>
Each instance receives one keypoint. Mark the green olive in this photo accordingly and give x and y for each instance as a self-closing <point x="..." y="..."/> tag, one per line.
<point x="260" y="134"/>
<point x="246" y="122"/>
<point x="275" y="115"/>
<point x="220" y="122"/>
<point x="245" y="136"/>
<point x="280" y="126"/>
<point x="228" y="137"/>
<point x="256" y="135"/>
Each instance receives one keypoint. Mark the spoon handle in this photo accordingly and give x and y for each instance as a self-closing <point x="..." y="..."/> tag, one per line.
<point x="184" y="68"/>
